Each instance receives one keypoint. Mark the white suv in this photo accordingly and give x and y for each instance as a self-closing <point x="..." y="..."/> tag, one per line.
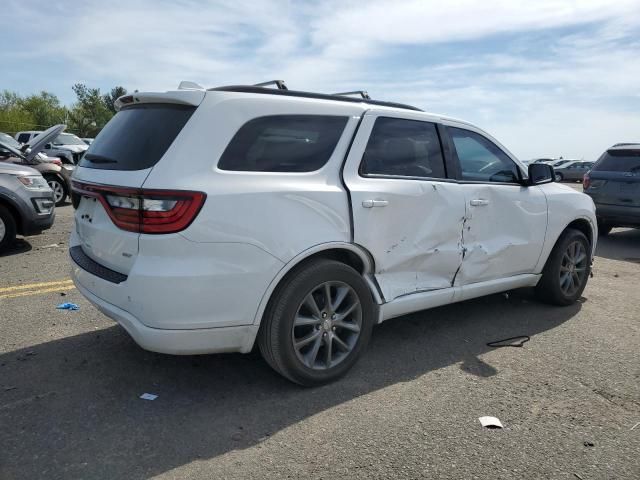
<point x="209" y="220"/>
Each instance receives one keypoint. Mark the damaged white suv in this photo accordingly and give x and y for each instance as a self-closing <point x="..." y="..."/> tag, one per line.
<point x="209" y="220"/>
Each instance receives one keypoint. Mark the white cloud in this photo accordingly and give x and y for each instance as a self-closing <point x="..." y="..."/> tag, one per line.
<point x="583" y="76"/>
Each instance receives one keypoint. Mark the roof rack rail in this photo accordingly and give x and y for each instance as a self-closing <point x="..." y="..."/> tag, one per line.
<point x="362" y="93"/>
<point x="278" y="83"/>
<point x="283" y="90"/>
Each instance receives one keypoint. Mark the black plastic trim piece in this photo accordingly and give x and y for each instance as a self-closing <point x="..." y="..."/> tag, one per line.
<point x="93" y="267"/>
<point x="319" y="96"/>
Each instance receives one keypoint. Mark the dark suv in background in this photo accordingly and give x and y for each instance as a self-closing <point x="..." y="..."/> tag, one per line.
<point x="614" y="185"/>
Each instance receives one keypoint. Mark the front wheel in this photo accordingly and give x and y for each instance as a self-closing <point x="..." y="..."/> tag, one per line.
<point x="567" y="270"/>
<point x="59" y="190"/>
<point x="7" y="228"/>
<point x="318" y="323"/>
<point x="559" y="177"/>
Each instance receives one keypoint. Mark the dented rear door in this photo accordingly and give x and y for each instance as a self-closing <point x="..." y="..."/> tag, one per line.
<point x="404" y="213"/>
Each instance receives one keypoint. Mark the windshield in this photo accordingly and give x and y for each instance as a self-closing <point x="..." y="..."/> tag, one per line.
<point x="619" y="161"/>
<point x="9" y="140"/>
<point x="68" y="139"/>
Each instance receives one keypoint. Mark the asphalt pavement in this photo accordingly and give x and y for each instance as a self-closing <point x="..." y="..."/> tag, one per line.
<point x="569" y="399"/>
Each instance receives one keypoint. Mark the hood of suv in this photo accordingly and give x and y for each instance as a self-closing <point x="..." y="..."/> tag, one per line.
<point x="37" y="143"/>
<point x="14" y="169"/>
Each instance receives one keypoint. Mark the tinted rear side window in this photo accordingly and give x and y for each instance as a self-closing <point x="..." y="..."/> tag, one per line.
<point x="619" y="161"/>
<point x="283" y="143"/>
<point x="23" y="137"/>
<point x="137" y="137"/>
<point x="403" y="148"/>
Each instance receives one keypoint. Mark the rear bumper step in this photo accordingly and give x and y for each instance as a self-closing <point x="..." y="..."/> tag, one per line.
<point x="93" y="267"/>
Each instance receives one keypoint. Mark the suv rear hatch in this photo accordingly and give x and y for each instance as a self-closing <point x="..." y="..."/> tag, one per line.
<point x="615" y="178"/>
<point x="112" y="208"/>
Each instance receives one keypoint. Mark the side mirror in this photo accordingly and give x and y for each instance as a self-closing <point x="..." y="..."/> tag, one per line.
<point x="540" y="173"/>
<point x="47" y="146"/>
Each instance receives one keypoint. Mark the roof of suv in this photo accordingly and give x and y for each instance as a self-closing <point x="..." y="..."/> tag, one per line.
<point x="625" y="146"/>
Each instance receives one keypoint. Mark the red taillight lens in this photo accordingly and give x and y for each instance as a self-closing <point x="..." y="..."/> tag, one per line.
<point x="146" y="211"/>
<point x="57" y="161"/>
<point x="586" y="181"/>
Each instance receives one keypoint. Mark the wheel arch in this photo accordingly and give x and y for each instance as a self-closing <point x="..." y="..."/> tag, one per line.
<point x="14" y="210"/>
<point x="348" y="253"/>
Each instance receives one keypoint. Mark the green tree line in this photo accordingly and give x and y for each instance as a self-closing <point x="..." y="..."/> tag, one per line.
<point x="85" y="117"/>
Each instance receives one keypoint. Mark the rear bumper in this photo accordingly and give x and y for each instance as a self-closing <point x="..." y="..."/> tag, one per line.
<point x="618" y="215"/>
<point x="177" y="342"/>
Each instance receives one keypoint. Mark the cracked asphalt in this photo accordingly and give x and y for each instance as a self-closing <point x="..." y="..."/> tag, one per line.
<point x="569" y="399"/>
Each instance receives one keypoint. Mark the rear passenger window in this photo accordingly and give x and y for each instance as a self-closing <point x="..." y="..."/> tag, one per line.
<point x="481" y="160"/>
<point x="23" y="137"/>
<point x="403" y="148"/>
<point x="283" y="143"/>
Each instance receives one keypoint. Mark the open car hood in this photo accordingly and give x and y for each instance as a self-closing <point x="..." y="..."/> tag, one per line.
<point x="37" y="143"/>
<point x="12" y="150"/>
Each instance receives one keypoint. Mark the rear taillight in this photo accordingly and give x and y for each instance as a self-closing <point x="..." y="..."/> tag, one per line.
<point x="57" y="161"/>
<point x="586" y="181"/>
<point x="145" y="211"/>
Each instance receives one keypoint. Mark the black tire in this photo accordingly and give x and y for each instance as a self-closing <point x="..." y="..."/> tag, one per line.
<point x="549" y="289"/>
<point x="276" y="336"/>
<point x="56" y="182"/>
<point x="8" y="226"/>
<point x="559" y="177"/>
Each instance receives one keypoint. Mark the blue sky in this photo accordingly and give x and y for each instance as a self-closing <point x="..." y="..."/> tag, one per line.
<point x="547" y="78"/>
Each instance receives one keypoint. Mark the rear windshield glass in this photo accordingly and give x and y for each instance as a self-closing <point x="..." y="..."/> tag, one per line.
<point x="137" y="137"/>
<point x="619" y="161"/>
<point x="283" y="143"/>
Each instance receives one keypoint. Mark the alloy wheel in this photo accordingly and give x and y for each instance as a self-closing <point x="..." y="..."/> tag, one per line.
<point x="573" y="269"/>
<point x="327" y="325"/>
<point x="3" y="229"/>
<point x="58" y="190"/>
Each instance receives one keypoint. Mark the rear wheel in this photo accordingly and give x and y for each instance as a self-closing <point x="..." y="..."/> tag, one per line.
<point x="7" y="228"/>
<point x="318" y="323"/>
<point x="567" y="270"/>
<point x="559" y="177"/>
<point x="59" y="190"/>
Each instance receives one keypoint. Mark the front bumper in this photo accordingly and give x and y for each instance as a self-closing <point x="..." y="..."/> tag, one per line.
<point x="177" y="342"/>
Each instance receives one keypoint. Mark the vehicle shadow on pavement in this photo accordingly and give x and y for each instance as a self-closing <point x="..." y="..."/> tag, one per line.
<point x="75" y="411"/>
<point x="620" y="244"/>
<point x="19" y="246"/>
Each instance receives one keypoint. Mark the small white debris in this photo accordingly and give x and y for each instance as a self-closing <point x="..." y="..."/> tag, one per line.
<point x="490" y="422"/>
<point x="635" y="425"/>
<point x="148" y="396"/>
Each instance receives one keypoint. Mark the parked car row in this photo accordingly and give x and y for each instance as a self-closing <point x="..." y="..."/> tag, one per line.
<point x="66" y="146"/>
<point x="56" y="173"/>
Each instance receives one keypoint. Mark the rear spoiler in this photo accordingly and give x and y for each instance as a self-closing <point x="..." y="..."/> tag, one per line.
<point x="181" y="97"/>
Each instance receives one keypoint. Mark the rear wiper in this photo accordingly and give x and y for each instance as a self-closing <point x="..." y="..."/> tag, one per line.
<point x="93" y="158"/>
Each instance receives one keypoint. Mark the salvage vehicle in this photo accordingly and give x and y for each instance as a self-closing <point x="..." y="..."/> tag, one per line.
<point x="210" y="220"/>
<point x="614" y="185"/>
<point x="26" y="203"/>
<point x="58" y="176"/>
<point x="66" y="146"/>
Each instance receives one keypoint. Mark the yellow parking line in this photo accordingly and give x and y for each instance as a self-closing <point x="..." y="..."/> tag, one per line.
<point x="37" y="292"/>
<point x="32" y="286"/>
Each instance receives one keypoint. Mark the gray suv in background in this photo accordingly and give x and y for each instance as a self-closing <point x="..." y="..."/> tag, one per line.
<point x="26" y="203"/>
<point x="614" y="185"/>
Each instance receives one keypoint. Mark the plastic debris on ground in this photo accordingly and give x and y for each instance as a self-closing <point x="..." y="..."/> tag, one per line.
<point x="148" y="396"/>
<point x="68" y="306"/>
<point x="490" y="422"/>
